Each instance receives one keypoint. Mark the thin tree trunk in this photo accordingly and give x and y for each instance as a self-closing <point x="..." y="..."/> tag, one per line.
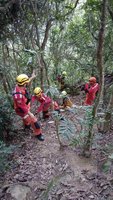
<point x="88" y="144"/>
<point x="5" y="86"/>
<point x="15" y="59"/>
<point x="108" y="114"/>
<point x="46" y="71"/>
<point x="3" y="77"/>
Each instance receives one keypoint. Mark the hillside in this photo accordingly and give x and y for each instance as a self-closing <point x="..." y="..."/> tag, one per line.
<point x="42" y="170"/>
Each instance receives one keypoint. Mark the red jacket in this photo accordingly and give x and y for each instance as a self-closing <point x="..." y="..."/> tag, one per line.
<point x="45" y="102"/>
<point x="20" y="101"/>
<point x="91" y="93"/>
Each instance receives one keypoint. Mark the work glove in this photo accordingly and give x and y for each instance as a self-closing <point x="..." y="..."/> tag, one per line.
<point x="36" y="113"/>
<point x="86" y="90"/>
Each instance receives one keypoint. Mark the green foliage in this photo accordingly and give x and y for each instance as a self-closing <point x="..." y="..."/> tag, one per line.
<point x="83" y="125"/>
<point x="4" y="155"/>
<point x="94" y="4"/>
<point x="110" y="3"/>
<point x="111" y="156"/>
<point x="53" y="92"/>
<point x="5" y="117"/>
<point x="67" y="129"/>
<point x="73" y="128"/>
<point x="106" y="166"/>
<point x="72" y="40"/>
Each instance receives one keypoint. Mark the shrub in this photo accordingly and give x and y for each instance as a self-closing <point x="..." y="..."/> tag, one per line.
<point x="4" y="155"/>
<point x="5" y="118"/>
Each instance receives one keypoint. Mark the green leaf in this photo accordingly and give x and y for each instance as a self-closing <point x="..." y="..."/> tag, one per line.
<point x="111" y="156"/>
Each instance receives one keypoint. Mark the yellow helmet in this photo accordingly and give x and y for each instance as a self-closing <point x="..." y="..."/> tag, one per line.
<point x="22" y="79"/>
<point x="37" y="91"/>
<point x="64" y="73"/>
<point x="63" y="93"/>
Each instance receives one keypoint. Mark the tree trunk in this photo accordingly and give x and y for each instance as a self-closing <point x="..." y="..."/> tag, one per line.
<point x="5" y="86"/>
<point x="41" y="46"/>
<point x="108" y="114"/>
<point x="4" y="78"/>
<point x="88" y="144"/>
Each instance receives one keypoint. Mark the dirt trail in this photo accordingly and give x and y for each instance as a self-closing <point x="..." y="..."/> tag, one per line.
<point x="80" y="164"/>
<point x="44" y="172"/>
<point x="38" y="163"/>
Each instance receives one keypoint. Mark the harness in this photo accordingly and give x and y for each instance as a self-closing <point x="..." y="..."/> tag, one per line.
<point x="28" y="97"/>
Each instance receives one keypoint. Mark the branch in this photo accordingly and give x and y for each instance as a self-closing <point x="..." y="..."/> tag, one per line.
<point x="110" y="12"/>
<point x="48" y="26"/>
<point x="35" y="23"/>
<point x="77" y="1"/>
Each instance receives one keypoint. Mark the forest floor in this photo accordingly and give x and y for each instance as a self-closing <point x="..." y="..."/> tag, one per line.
<point x="42" y="171"/>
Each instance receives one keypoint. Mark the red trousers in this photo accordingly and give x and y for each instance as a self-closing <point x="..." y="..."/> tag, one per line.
<point x="31" y="121"/>
<point x="52" y="105"/>
<point x="28" y="120"/>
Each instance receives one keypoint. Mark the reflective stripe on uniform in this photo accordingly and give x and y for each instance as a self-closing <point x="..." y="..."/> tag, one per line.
<point x="25" y="116"/>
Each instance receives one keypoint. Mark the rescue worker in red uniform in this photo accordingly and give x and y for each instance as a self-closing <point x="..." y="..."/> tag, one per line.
<point x="91" y="90"/>
<point x="67" y="103"/>
<point x="22" y="104"/>
<point x="46" y="102"/>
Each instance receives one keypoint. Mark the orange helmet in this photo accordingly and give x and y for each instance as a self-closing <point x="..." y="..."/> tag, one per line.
<point x="92" y="79"/>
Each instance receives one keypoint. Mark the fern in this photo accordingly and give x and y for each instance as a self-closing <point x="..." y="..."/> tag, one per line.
<point x="71" y="127"/>
<point x="53" y="92"/>
<point x="67" y="129"/>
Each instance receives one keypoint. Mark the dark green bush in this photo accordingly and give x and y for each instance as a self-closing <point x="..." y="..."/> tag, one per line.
<point x="5" y="152"/>
<point x="5" y="118"/>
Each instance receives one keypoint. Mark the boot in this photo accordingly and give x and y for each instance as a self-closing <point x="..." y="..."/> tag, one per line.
<point x="27" y="127"/>
<point x="40" y="137"/>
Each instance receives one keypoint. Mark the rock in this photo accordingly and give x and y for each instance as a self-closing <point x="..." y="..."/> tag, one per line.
<point x="16" y="176"/>
<point x="60" y="192"/>
<point x="19" y="192"/>
<point x="91" y="197"/>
